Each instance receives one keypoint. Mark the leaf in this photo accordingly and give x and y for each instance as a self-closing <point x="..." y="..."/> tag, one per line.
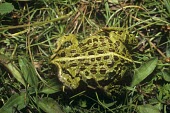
<point x="28" y="72"/>
<point x="143" y="71"/>
<point x="6" y="8"/>
<point x="51" y="87"/>
<point x="166" y="75"/>
<point x="49" y="105"/>
<point x="17" y="101"/>
<point x="147" y="109"/>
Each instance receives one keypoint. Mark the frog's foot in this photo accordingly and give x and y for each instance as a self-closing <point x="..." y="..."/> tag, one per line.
<point x="113" y="89"/>
<point x="69" y="82"/>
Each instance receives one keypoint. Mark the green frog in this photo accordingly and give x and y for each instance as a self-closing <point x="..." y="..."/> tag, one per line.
<point x="97" y="60"/>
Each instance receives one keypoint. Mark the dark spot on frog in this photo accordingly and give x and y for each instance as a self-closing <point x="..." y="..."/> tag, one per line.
<point x="63" y="54"/>
<point x="95" y="40"/>
<point x="101" y="39"/>
<point x="81" y="60"/>
<point x="116" y="68"/>
<point x="76" y="55"/>
<point x="102" y="70"/>
<point x="110" y="64"/>
<point x="110" y="45"/>
<point x="82" y="68"/>
<point x="89" y="41"/>
<point x="111" y="50"/>
<point x="122" y="61"/>
<point x="101" y="63"/>
<point x="66" y="71"/>
<point x="100" y="51"/>
<point x="73" y="65"/>
<point x="116" y="58"/>
<point x="116" y="48"/>
<point x="95" y="45"/>
<point x="98" y="58"/>
<point x="92" y="59"/>
<point x="84" y="49"/>
<point x="91" y="53"/>
<point x="93" y="70"/>
<point x="95" y="65"/>
<point x="119" y="67"/>
<point x="106" y="57"/>
<point x="81" y="44"/>
<point x="62" y="62"/>
<point x="73" y="51"/>
<point x="86" y="73"/>
<point x="103" y="44"/>
<point x="87" y="64"/>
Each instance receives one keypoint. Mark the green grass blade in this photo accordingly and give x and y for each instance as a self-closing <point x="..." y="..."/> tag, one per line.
<point x="167" y="4"/>
<point x="28" y="72"/>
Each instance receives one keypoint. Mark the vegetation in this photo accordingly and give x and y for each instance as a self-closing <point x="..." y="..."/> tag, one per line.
<point x="29" y="30"/>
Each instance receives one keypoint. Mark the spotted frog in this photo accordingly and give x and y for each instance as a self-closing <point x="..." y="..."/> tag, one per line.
<point x="97" y="60"/>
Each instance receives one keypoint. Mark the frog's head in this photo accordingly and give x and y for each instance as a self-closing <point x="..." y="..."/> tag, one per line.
<point x="125" y="37"/>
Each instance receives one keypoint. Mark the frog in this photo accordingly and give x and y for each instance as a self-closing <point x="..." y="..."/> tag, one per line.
<point x="98" y="60"/>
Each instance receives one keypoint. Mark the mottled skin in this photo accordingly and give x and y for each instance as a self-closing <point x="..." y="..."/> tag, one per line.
<point x="97" y="58"/>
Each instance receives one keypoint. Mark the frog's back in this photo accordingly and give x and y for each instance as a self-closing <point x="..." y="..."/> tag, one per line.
<point x="97" y="45"/>
<point x="96" y="55"/>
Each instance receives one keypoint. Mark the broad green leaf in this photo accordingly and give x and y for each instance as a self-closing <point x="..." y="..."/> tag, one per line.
<point x="51" y="87"/>
<point x="6" y="8"/>
<point x="143" y="71"/>
<point x="49" y="105"/>
<point x="28" y="72"/>
<point x="147" y="109"/>
<point x="17" y="101"/>
<point x="166" y="75"/>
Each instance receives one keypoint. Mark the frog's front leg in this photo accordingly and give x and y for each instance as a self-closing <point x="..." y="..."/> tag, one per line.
<point x="68" y="81"/>
<point x="111" y="89"/>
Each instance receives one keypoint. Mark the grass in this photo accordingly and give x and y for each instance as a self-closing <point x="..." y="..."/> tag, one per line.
<point x="30" y="29"/>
